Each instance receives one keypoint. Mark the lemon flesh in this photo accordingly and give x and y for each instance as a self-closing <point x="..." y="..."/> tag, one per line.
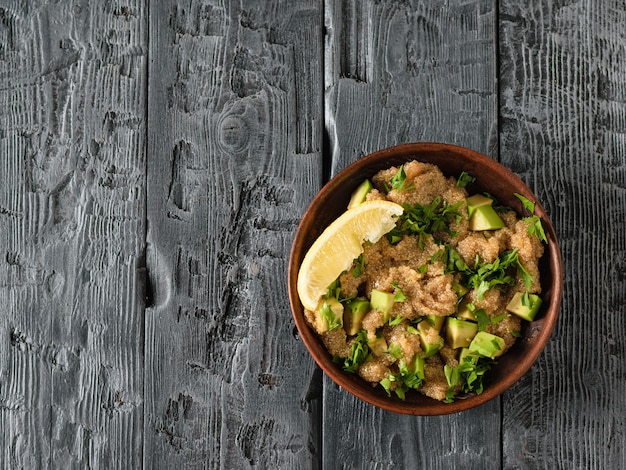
<point x="340" y="243"/>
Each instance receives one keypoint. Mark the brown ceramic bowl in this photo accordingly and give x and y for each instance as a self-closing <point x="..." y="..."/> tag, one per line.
<point x="491" y="177"/>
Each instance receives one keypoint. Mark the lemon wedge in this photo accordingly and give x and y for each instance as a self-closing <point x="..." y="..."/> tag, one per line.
<point x="340" y="243"/>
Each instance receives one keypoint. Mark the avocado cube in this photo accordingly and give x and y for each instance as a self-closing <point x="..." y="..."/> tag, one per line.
<point x="435" y="321"/>
<point x="465" y="355"/>
<point x="430" y="340"/>
<point x="487" y="345"/>
<point x="525" y="309"/>
<point x="459" y="289"/>
<point x="459" y="333"/>
<point x="377" y="346"/>
<point x="416" y="366"/>
<point x="353" y="315"/>
<point x="475" y="201"/>
<point x="464" y="313"/>
<point x="485" y="218"/>
<point x="359" y="194"/>
<point x="383" y="302"/>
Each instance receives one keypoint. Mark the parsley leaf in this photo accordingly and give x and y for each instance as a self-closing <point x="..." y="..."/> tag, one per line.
<point x="464" y="179"/>
<point x="402" y="381"/>
<point x="359" y="266"/>
<point x="358" y="353"/>
<point x="399" y="295"/>
<point x="486" y="276"/>
<point x="327" y="313"/>
<point x="469" y="373"/>
<point x="398" y="181"/>
<point x="420" y="221"/>
<point x="535" y="227"/>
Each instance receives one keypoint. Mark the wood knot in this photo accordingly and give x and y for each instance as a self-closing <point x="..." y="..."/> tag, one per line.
<point x="233" y="134"/>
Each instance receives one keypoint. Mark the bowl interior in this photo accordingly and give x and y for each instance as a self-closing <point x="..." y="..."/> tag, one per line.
<point x="491" y="177"/>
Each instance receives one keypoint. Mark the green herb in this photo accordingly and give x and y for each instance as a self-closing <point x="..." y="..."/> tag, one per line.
<point x="482" y="319"/>
<point x="423" y="269"/>
<point x="402" y="381"/>
<point x="333" y="290"/>
<point x="399" y="295"/>
<point x="412" y="330"/>
<point x="486" y="276"/>
<point x="516" y="334"/>
<point x="464" y="179"/>
<point x="328" y="315"/>
<point x="421" y="221"/>
<point x="395" y="320"/>
<point x="469" y="373"/>
<point x="453" y="261"/>
<point x="398" y="181"/>
<point x="535" y="227"/>
<point x="358" y="353"/>
<point x="395" y="350"/>
<point x="359" y="266"/>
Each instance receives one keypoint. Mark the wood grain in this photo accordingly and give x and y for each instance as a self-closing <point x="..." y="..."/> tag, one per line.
<point x="72" y="188"/>
<point x="235" y="156"/>
<point x="563" y="124"/>
<point x="405" y="72"/>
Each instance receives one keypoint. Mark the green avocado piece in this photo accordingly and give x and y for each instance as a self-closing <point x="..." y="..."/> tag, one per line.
<point x="459" y="290"/>
<point x="353" y="315"/>
<point x="487" y="345"/>
<point x="430" y="340"/>
<point x="465" y="353"/>
<point x="416" y="366"/>
<point x="383" y="302"/>
<point x="359" y="194"/>
<point x="526" y="310"/>
<point x="435" y="321"/>
<point x="477" y="200"/>
<point x="485" y="218"/>
<point x="464" y="313"/>
<point x="459" y="333"/>
<point x="377" y="346"/>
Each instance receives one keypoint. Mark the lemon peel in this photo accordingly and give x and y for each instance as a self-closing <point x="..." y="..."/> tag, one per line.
<point x="340" y="243"/>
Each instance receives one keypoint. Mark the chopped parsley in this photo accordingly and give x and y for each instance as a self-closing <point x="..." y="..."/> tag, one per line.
<point x="402" y="381"/>
<point x="359" y="266"/>
<point x="398" y="181"/>
<point x="535" y="228"/>
<point x="399" y="295"/>
<point x="327" y="314"/>
<point x="359" y="352"/>
<point x="469" y="374"/>
<point x="421" y="221"/>
<point x="464" y="179"/>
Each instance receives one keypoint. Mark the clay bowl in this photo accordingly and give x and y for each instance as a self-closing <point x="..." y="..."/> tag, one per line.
<point x="491" y="177"/>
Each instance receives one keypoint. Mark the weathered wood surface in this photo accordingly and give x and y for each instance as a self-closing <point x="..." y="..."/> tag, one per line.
<point x="72" y="223"/>
<point x="235" y="155"/>
<point x="563" y="130"/>
<point x="155" y="158"/>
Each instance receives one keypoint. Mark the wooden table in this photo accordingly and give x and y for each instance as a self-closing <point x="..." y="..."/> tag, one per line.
<point x="155" y="160"/>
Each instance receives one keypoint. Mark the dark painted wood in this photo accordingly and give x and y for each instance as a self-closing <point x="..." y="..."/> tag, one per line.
<point x="155" y="159"/>
<point x="563" y="108"/>
<point x="72" y="203"/>
<point x="235" y="154"/>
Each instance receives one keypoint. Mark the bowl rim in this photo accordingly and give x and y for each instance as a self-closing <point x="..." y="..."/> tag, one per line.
<point x="540" y="330"/>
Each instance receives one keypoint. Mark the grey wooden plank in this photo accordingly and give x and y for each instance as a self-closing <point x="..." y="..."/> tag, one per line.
<point x="235" y="156"/>
<point x="72" y="187"/>
<point x="563" y="126"/>
<point x="405" y="72"/>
